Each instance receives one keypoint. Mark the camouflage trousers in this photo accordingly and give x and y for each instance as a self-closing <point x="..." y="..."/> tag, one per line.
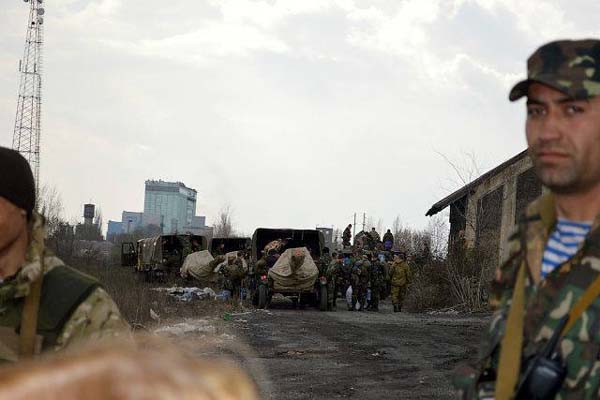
<point x="359" y="294"/>
<point x="398" y="294"/>
<point x="374" y="302"/>
<point x="331" y="294"/>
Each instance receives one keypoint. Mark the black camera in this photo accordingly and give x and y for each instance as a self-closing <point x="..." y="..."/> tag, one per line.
<point x="543" y="378"/>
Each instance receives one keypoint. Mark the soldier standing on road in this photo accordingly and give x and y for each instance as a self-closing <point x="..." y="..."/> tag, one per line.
<point x="324" y="261"/>
<point x="234" y="273"/>
<point x="261" y="267"/>
<point x="347" y="236"/>
<point x="547" y="287"/>
<point x="376" y="280"/>
<point x="44" y="305"/>
<point x="360" y="283"/>
<point x="345" y="275"/>
<point x="399" y="274"/>
<point x="333" y="277"/>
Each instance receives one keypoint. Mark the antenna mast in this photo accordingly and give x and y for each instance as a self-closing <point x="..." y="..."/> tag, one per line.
<point x="26" y="137"/>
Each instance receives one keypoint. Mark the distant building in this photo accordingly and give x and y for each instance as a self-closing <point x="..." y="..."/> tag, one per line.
<point x="131" y="221"/>
<point x="485" y="212"/>
<point x="114" y="228"/>
<point x="198" y="227"/>
<point x="175" y="205"/>
<point x="89" y="212"/>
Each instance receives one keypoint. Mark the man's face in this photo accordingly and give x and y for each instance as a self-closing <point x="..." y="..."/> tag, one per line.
<point x="564" y="139"/>
<point x="13" y="228"/>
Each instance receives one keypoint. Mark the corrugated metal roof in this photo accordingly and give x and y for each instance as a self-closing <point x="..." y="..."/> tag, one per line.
<point x="446" y="201"/>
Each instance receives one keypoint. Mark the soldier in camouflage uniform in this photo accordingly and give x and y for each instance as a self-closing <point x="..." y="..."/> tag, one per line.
<point x="345" y="274"/>
<point x="333" y="276"/>
<point x="537" y="286"/>
<point x="399" y="275"/>
<point x="376" y="281"/>
<point x="347" y="236"/>
<point x="44" y="305"/>
<point x="233" y="273"/>
<point x="324" y="261"/>
<point x="360" y="283"/>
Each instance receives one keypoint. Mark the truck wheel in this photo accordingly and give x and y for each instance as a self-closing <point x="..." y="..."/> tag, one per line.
<point x="262" y="297"/>
<point x="323" y="298"/>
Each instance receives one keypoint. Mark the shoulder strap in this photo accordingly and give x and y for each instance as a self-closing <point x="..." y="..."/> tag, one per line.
<point x="29" y="319"/>
<point x="512" y="341"/>
<point x="588" y="297"/>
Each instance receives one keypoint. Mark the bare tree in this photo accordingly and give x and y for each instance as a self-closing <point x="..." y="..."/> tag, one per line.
<point x="396" y="225"/>
<point x="438" y="231"/>
<point x="337" y="237"/>
<point x="98" y="218"/>
<point x="466" y="171"/>
<point x="49" y="204"/>
<point x="223" y="227"/>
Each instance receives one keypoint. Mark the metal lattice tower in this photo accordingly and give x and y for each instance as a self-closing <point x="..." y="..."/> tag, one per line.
<point x="26" y="138"/>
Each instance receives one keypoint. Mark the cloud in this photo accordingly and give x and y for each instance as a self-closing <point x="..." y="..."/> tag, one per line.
<point x="214" y="39"/>
<point x="279" y="105"/>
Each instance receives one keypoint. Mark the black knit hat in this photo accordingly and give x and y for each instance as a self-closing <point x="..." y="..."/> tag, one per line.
<point x="16" y="180"/>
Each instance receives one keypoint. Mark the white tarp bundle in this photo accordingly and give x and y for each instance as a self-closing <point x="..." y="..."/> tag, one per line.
<point x="294" y="270"/>
<point x="198" y="265"/>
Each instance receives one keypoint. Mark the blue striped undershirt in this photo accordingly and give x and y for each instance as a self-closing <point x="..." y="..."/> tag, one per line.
<point x="563" y="243"/>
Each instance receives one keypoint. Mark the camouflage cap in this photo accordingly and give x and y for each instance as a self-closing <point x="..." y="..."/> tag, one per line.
<point x="570" y="66"/>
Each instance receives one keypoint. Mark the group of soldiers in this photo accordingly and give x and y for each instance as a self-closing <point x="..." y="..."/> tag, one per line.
<point x="371" y="268"/>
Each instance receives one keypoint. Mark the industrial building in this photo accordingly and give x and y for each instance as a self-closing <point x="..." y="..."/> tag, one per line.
<point x="168" y="206"/>
<point x="484" y="212"/>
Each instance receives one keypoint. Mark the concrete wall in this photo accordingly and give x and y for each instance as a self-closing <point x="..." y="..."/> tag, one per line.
<point x="507" y="178"/>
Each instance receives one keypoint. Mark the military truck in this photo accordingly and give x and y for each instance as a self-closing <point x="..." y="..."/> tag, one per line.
<point x="159" y="255"/>
<point x="227" y="245"/>
<point x="310" y="243"/>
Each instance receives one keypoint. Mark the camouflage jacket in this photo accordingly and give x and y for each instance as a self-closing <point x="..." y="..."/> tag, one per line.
<point x="333" y="270"/>
<point x="399" y="273"/>
<point x="324" y="262"/>
<point x="376" y="276"/>
<point x="96" y="317"/>
<point x="547" y="302"/>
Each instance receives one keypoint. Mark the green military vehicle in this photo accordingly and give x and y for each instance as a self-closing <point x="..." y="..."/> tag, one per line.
<point x="302" y="284"/>
<point x="157" y="256"/>
<point x="222" y="246"/>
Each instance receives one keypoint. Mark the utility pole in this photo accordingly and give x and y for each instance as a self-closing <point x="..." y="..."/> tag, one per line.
<point x="364" y="221"/>
<point x="26" y="137"/>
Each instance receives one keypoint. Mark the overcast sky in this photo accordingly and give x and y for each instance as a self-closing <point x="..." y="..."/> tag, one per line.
<point x="296" y="113"/>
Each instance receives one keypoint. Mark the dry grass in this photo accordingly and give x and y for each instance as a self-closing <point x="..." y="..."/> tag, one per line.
<point x="135" y="297"/>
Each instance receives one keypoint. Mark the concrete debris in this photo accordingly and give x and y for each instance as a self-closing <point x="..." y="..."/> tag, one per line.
<point x="445" y="311"/>
<point x="187" y="328"/>
<point x="189" y="293"/>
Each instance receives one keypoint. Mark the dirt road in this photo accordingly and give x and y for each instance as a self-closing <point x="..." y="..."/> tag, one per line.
<point x="362" y="355"/>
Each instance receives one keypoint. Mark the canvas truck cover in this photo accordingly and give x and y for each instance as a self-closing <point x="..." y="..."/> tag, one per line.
<point x="198" y="265"/>
<point x="295" y="238"/>
<point x="150" y="251"/>
<point x="294" y="270"/>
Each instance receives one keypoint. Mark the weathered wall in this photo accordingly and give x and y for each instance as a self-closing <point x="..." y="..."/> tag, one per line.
<point x="508" y="179"/>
